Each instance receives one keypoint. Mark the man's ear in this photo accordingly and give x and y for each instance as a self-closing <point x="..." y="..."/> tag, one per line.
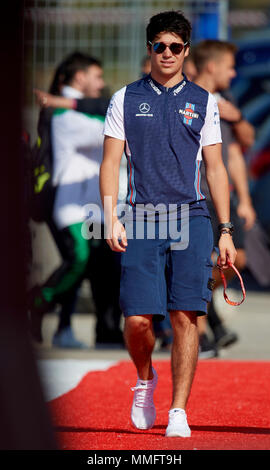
<point x="187" y="52"/>
<point x="149" y="50"/>
<point x="211" y="66"/>
<point x="79" y="77"/>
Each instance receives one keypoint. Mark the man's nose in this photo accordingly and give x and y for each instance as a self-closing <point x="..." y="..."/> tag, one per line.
<point x="167" y="52"/>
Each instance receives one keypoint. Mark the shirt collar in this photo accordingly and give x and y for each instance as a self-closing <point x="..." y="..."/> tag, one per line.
<point x="70" y="92"/>
<point x="158" y="88"/>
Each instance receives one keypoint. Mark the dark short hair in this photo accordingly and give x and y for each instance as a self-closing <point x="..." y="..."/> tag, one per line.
<point x="210" y="49"/>
<point x="170" y="22"/>
<point x="66" y="71"/>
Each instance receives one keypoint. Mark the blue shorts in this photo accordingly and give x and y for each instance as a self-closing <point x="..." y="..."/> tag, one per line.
<point x="156" y="279"/>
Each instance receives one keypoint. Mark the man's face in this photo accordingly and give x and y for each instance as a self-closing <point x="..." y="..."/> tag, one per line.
<point x="167" y="63"/>
<point x="224" y="70"/>
<point x="92" y="81"/>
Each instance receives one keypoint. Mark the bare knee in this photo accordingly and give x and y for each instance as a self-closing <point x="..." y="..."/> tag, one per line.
<point x="183" y="319"/>
<point x="138" y="324"/>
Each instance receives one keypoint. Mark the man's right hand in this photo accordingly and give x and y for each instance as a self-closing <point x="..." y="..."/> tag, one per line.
<point x="44" y="99"/>
<point x="118" y="238"/>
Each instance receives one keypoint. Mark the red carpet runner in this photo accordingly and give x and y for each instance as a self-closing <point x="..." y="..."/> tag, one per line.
<point x="228" y="409"/>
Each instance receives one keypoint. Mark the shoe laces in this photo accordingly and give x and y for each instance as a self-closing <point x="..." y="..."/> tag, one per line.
<point x="143" y="395"/>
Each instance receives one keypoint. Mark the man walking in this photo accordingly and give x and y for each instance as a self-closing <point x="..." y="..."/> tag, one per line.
<point x="164" y="123"/>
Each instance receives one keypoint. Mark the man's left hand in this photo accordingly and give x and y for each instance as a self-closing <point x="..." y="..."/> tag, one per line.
<point x="226" y="250"/>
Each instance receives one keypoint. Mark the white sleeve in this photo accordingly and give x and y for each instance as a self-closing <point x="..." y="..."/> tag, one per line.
<point x="114" y="122"/>
<point x="72" y="131"/>
<point x="211" y="133"/>
<point x="62" y="147"/>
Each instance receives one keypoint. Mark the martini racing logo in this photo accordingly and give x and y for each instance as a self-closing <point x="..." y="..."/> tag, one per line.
<point x="144" y="109"/>
<point x="188" y="113"/>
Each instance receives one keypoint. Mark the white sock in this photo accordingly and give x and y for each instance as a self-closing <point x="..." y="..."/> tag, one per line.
<point x="175" y="410"/>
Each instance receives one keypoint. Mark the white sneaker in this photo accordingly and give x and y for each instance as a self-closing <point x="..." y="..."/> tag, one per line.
<point x="178" y="426"/>
<point x="143" y="412"/>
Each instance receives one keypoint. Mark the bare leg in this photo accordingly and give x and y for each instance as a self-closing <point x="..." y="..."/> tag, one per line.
<point x="140" y="341"/>
<point x="202" y="325"/>
<point x="184" y="355"/>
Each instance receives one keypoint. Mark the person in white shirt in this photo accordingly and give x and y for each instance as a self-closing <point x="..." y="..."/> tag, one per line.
<point x="77" y="141"/>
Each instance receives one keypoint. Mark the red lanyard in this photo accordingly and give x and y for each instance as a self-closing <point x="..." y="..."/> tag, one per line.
<point x="231" y="302"/>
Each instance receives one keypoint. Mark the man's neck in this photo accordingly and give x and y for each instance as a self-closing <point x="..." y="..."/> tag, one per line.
<point x="71" y="91"/>
<point x="166" y="81"/>
<point x="206" y="81"/>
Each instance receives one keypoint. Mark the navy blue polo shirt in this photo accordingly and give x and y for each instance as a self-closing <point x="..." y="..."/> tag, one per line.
<point x="164" y="130"/>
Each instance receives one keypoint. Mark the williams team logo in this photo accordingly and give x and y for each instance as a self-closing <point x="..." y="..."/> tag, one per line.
<point x="144" y="109"/>
<point x="188" y="113"/>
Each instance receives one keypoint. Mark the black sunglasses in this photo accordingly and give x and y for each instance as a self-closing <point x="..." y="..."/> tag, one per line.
<point x="175" y="47"/>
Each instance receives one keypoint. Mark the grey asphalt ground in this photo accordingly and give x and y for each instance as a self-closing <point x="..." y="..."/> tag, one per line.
<point x="251" y="321"/>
